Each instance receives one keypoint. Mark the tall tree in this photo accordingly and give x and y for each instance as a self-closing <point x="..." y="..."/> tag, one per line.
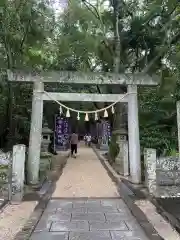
<point x="25" y="27"/>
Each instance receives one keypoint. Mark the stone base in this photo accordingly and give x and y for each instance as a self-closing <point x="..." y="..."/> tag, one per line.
<point x="118" y="168"/>
<point x="104" y="147"/>
<point x="168" y="178"/>
<point x="122" y="158"/>
<point x="38" y="186"/>
<point x="168" y="192"/>
<point x="45" y="155"/>
<point x="17" y="197"/>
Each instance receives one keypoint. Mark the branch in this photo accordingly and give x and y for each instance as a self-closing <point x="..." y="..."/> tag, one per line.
<point x="146" y="51"/>
<point x="6" y="44"/>
<point x="165" y="29"/>
<point x="159" y="14"/>
<point x="25" y="35"/>
<point x="117" y="53"/>
<point x="108" y="47"/>
<point x="95" y="12"/>
<point x="97" y="15"/>
<point x="173" y="9"/>
<point x="176" y="39"/>
<point x="125" y="5"/>
<point x="159" y="54"/>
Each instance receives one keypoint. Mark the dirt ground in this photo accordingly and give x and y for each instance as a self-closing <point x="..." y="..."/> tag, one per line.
<point x="13" y="218"/>
<point x="85" y="176"/>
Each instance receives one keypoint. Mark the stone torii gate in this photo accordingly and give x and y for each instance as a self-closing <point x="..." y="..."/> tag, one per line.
<point x="131" y="81"/>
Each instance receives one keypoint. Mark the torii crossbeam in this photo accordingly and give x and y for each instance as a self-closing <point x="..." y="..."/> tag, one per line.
<point x="83" y="78"/>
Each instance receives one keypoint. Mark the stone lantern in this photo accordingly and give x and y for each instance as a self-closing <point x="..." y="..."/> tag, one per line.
<point x="46" y="138"/>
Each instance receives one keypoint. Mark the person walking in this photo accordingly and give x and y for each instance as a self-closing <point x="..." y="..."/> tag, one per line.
<point x="74" y="143"/>
<point x="85" y="139"/>
<point x="89" y="140"/>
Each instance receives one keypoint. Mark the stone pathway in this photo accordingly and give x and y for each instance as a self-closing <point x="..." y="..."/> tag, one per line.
<point x="107" y="219"/>
<point x="69" y="216"/>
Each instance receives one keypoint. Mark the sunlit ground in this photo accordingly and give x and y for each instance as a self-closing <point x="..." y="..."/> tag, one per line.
<point x="13" y="218"/>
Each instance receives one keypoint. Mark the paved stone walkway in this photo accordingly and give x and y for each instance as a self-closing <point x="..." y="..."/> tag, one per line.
<point x="69" y="217"/>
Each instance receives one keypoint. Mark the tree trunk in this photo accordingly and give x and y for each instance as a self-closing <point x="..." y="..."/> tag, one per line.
<point x="10" y="124"/>
<point x="119" y="120"/>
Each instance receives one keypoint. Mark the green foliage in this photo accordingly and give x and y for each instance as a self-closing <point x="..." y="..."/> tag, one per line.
<point x="158" y="126"/>
<point x="3" y="176"/>
<point x="113" y="148"/>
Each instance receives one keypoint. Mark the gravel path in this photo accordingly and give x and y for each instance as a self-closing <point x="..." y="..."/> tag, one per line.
<point x="13" y="218"/>
<point x="85" y="177"/>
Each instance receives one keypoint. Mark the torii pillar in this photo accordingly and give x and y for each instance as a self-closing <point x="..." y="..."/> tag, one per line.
<point x="133" y="135"/>
<point x="35" y="133"/>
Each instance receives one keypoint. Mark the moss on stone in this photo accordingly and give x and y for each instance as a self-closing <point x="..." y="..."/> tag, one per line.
<point x="113" y="148"/>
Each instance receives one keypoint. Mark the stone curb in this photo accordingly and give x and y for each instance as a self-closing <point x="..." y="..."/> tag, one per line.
<point x="84" y="198"/>
<point x="3" y="205"/>
<point x="129" y="198"/>
<point x="175" y="223"/>
<point x="30" y="225"/>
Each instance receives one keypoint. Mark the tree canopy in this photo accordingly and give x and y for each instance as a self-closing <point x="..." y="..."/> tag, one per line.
<point x="100" y="35"/>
